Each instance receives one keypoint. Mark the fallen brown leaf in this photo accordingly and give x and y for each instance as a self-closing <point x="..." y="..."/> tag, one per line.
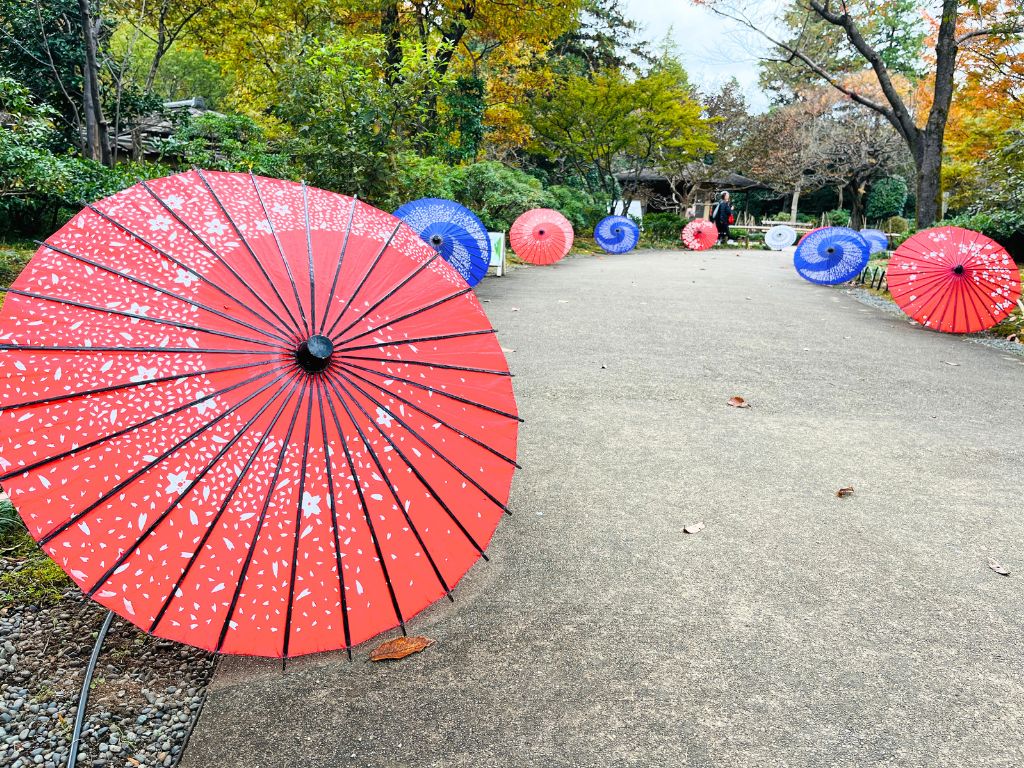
<point x="694" y="527"/>
<point x="947" y="362"/>
<point x="998" y="567"/>
<point x="738" y="402"/>
<point x="848" y="491"/>
<point x="400" y="647"/>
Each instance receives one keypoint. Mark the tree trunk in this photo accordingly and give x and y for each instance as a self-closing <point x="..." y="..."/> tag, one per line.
<point x="392" y="33"/>
<point x="96" y="124"/>
<point x="856" y="205"/>
<point x="928" y="162"/>
<point x="794" y="207"/>
<point x="839" y="194"/>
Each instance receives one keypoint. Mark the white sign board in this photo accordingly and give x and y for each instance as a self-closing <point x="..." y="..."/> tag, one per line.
<point x="497" y="252"/>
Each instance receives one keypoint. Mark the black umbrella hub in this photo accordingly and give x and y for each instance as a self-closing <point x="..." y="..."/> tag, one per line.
<point x="314" y="354"/>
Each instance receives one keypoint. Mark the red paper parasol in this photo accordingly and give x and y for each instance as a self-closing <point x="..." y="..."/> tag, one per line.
<point x="253" y="416"/>
<point x="953" y="280"/>
<point x="699" y="235"/>
<point x="541" y="236"/>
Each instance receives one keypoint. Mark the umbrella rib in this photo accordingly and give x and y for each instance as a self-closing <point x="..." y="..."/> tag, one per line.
<point x="419" y="476"/>
<point x="181" y="265"/>
<point x="298" y="514"/>
<point x="337" y="335"/>
<point x="46" y="539"/>
<point x="341" y="341"/>
<point x="133" y="316"/>
<point x="419" y="340"/>
<point x="445" y="366"/>
<point x="423" y="440"/>
<point x="176" y="350"/>
<point x="312" y="279"/>
<point x="129" y="551"/>
<point x="220" y="512"/>
<point x="126" y="430"/>
<point x="164" y="291"/>
<point x="280" y="250"/>
<point x="131" y="384"/>
<point x="362" y="500"/>
<point x="259" y="264"/>
<point x="251" y="551"/>
<point x="329" y="473"/>
<point x="429" y="388"/>
<point x="337" y="269"/>
<point x="398" y="503"/>
<point x="439" y="420"/>
<point x="208" y="247"/>
<point x="362" y="282"/>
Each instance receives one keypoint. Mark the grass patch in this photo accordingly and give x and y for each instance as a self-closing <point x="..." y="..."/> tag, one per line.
<point x="13" y="258"/>
<point x="37" y="581"/>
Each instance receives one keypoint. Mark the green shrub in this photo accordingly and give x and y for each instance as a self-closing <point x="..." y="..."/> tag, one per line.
<point x="1001" y="225"/>
<point x="896" y="224"/>
<point x="497" y="193"/>
<point x="415" y="177"/>
<point x="886" y="198"/>
<point x="225" y="143"/>
<point x="578" y="206"/>
<point x="839" y="217"/>
<point x="662" y="226"/>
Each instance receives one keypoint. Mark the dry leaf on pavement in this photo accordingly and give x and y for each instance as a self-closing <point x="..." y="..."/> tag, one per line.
<point x="694" y="527"/>
<point x="848" y="491"/>
<point x="998" y="567"/>
<point x="738" y="402"/>
<point x="400" y="647"/>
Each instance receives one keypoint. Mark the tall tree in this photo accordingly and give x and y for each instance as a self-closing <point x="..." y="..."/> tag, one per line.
<point x="609" y="123"/>
<point x="957" y="25"/>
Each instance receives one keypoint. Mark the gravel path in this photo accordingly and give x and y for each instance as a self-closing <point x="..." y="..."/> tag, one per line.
<point x="145" y="697"/>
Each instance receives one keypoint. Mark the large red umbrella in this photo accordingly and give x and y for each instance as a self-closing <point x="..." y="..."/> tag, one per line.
<point x="953" y="280"/>
<point x="253" y="416"/>
<point x="541" y="236"/>
<point x="699" y="235"/>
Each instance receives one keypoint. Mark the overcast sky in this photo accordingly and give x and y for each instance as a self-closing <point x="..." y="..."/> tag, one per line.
<point x="713" y="49"/>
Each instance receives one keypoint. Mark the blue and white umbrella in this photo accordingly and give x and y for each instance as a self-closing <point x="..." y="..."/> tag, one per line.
<point x="453" y="231"/>
<point x="831" y="255"/>
<point x="878" y="241"/>
<point x="617" y="234"/>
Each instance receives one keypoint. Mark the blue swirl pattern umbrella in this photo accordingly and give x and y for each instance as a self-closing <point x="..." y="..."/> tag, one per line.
<point x="831" y="255"/>
<point x="878" y="241"/>
<point x="617" y="234"/>
<point x="452" y="230"/>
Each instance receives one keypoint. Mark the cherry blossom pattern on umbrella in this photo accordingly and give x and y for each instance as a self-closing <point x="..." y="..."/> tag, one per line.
<point x="541" y="236"/>
<point x="953" y="280"/>
<point x="253" y="416"/>
<point x="699" y="235"/>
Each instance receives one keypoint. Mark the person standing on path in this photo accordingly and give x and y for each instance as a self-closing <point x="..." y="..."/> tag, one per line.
<point x="721" y="215"/>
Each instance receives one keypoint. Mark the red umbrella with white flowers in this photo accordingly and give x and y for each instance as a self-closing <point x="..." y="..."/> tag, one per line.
<point x="699" y="235"/>
<point x="953" y="280"/>
<point x="253" y="416"/>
